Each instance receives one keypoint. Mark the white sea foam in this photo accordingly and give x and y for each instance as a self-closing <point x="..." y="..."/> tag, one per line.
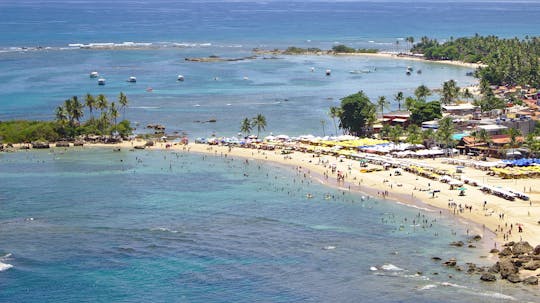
<point x="329" y="247"/>
<point x="146" y="107"/>
<point x="391" y="267"/>
<point x="427" y="287"/>
<point x="163" y="229"/>
<point x="497" y="295"/>
<point x="373" y="268"/>
<point x="4" y="266"/>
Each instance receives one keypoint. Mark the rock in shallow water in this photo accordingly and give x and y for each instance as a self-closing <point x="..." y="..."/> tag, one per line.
<point x="488" y="277"/>
<point x="532" y="280"/>
<point x="514" y="278"/>
<point x="507" y="268"/>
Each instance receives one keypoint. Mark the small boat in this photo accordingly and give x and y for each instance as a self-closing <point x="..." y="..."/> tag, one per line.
<point x="328" y="72"/>
<point x="101" y="81"/>
<point x="410" y="69"/>
<point x="419" y="71"/>
<point x="312" y="69"/>
<point x="94" y="74"/>
<point x="132" y="80"/>
<point x="180" y="78"/>
<point x="408" y="73"/>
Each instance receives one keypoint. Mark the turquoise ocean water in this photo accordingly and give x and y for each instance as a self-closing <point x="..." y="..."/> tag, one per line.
<point x="95" y="225"/>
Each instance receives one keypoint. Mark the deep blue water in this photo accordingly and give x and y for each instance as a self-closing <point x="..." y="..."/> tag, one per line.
<point x="294" y="100"/>
<point x="102" y="226"/>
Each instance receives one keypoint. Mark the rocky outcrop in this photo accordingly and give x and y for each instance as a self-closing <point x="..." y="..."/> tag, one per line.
<point x="451" y="262"/>
<point x="536" y="250"/>
<point x="522" y="247"/>
<point x="507" y="268"/>
<point x="532" y="280"/>
<point x="532" y="265"/>
<point x="457" y="243"/>
<point x="40" y="145"/>
<point x="62" y="144"/>
<point x="514" y="278"/>
<point x="507" y="251"/>
<point x="488" y="277"/>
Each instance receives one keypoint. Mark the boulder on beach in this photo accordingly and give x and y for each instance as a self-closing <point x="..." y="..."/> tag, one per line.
<point x="477" y="238"/>
<point x="522" y="247"/>
<point x="78" y="143"/>
<point x="494" y="251"/>
<point x="532" y="265"/>
<point x="488" y="277"/>
<point x="40" y="145"/>
<point x="536" y="250"/>
<point x="532" y="280"/>
<point x="62" y="144"/>
<point x="505" y="252"/>
<point x="507" y="268"/>
<point x="457" y="243"/>
<point x="514" y="278"/>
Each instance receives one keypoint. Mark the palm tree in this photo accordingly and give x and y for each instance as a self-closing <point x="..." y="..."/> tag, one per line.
<point x="414" y="134"/>
<point x="323" y="123"/>
<point x="421" y="92"/>
<point x="382" y="103"/>
<point x="395" y="133"/>
<point x="428" y="136"/>
<point x="114" y="113"/>
<point x="450" y="91"/>
<point x="90" y="102"/>
<point x="410" y="40"/>
<point x="399" y="97"/>
<point x="260" y="122"/>
<point x="483" y="136"/>
<point x="410" y="102"/>
<point x="514" y="134"/>
<point x="61" y="115"/>
<point x="467" y="94"/>
<point x="102" y="102"/>
<point x="335" y="112"/>
<point x="76" y="109"/>
<point x="246" y="127"/>
<point x="123" y="100"/>
<point x="445" y="131"/>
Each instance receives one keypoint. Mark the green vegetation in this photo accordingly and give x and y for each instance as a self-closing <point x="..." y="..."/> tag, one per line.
<point x="248" y="125"/>
<point x="342" y="49"/>
<point x="508" y="61"/>
<point x="367" y="50"/>
<point x="425" y="111"/>
<point x="68" y="122"/>
<point x="293" y="50"/>
<point x="357" y="114"/>
<point x="28" y="131"/>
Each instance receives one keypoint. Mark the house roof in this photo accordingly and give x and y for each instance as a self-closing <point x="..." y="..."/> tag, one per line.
<point x="464" y="106"/>
<point x="492" y="127"/>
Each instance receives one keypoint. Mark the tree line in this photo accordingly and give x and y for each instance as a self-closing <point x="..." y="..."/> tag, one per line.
<point x="508" y="61"/>
<point x="69" y="123"/>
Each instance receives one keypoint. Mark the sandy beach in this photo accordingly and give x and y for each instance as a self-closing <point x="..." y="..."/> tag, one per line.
<point x="499" y="215"/>
<point x="388" y="55"/>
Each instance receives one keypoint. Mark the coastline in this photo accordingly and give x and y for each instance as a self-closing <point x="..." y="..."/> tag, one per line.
<point x="407" y="188"/>
<point x="388" y="55"/>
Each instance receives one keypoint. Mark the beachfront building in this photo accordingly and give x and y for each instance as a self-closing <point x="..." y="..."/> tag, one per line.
<point x="397" y="118"/>
<point x="460" y="110"/>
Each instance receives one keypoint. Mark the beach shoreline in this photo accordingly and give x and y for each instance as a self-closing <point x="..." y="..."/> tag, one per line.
<point x="407" y="188"/>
